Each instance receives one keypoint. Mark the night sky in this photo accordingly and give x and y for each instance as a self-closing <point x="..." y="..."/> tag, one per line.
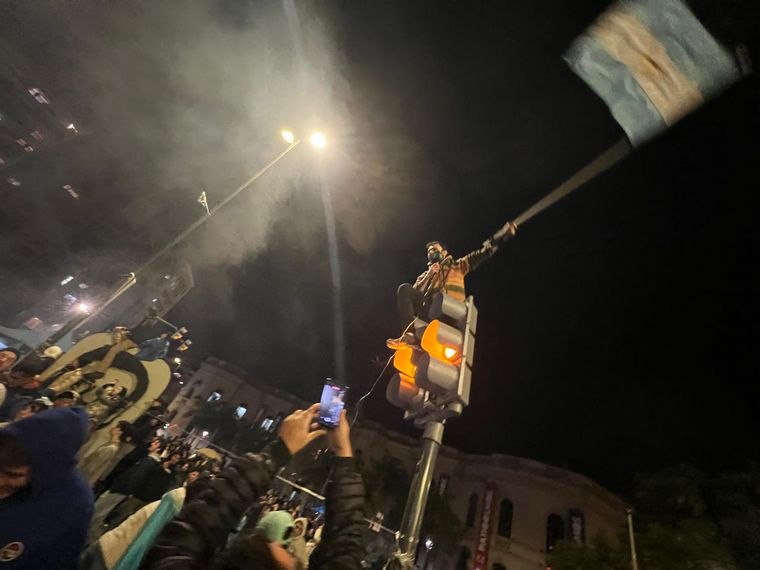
<point x="617" y="331"/>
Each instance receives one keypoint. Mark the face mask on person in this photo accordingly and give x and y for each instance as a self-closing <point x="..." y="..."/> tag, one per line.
<point x="435" y="256"/>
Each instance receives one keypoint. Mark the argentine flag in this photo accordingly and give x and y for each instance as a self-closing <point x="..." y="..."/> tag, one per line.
<point x="652" y="62"/>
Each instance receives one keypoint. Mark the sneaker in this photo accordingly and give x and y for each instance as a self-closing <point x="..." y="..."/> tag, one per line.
<point x="408" y="339"/>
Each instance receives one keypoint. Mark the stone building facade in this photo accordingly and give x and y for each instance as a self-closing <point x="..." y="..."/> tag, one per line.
<point x="515" y="509"/>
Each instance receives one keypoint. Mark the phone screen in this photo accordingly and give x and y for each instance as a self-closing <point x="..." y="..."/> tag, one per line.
<point x="331" y="404"/>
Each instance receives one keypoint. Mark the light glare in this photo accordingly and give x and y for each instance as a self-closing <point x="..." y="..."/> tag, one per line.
<point x="449" y="352"/>
<point x="318" y="140"/>
<point x="84" y="308"/>
<point x="288" y="136"/>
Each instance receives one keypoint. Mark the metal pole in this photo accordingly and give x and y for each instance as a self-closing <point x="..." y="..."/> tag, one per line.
<point x="418" y="493"/>
<point x="634" y="561"/>
<point x="132" y="278"/>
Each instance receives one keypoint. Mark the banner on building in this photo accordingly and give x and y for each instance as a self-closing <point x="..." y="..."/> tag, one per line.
<point x="484" y="533"/>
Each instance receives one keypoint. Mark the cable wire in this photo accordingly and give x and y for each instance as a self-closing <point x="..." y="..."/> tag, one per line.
<point x="379" y="376"/>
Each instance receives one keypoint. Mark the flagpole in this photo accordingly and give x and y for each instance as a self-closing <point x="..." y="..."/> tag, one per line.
<point x="200" y="221"/>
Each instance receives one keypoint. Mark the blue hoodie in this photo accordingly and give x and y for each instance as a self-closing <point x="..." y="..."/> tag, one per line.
<point x="44" y="526"/>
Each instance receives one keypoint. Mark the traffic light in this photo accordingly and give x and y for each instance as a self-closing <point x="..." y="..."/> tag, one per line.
<point x="433" y="378"/>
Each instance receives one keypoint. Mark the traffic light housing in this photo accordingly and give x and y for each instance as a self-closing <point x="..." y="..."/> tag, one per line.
<point x="433" y="379"/>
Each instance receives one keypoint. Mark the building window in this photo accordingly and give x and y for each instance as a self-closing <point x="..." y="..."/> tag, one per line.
<point x="240" y="411"/>
<point x="266" y="425"/>
<point x="463" y="561"/>
<point x="215" y="396"/>
<point x="505" y="518"/>
<point x="577" y="526"/>
<point x="443" y="484"/>
<point x="555" y="531"/>
<point x="277" y="421"/>
<point x="498" y="566"/>
<point x="472" y="509"/>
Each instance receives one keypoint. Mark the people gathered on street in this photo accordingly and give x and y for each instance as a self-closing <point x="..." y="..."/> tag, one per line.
<point x="144" y="500"/>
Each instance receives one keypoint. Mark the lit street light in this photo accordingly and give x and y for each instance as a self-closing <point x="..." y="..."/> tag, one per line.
<point x="288" y="136"/>
<point x="83" y="308"/>
<point x="318" y="140"/>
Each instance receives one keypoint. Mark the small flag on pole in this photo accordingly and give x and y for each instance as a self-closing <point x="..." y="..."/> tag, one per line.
<point x="202" y="199"/>
<point x="652" y="62"/>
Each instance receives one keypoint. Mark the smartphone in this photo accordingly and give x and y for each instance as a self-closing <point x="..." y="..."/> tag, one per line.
<point x="331" y="404"/>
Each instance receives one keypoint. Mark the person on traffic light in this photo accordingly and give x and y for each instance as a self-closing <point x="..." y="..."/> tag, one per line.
<point x="444" y="273"/>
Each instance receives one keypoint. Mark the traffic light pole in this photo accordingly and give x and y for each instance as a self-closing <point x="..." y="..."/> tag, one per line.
<point x="418" y="494"/>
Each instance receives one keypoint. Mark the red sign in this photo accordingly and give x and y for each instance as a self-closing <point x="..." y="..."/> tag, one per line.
<point x="484" y="534"/>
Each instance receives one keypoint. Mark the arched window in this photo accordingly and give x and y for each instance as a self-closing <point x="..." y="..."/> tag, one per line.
<point x="555" y="531"/>
<point x="472" y="509"/>
<point x="498" y="566"/>
<point x="577" y="526"/>
<point x="443" y="484"/>
<point x="463" y="561"/>
<point x="505" y="518"/>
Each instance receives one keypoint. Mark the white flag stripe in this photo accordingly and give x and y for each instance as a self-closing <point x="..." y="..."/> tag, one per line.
<point x="628" y="41"/>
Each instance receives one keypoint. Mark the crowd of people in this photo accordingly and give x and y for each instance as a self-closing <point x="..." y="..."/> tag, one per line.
<point x="139" y="499"/>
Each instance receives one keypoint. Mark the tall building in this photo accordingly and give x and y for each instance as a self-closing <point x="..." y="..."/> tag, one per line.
<point x="158" y="289"/>
<point x="515" y="509"/>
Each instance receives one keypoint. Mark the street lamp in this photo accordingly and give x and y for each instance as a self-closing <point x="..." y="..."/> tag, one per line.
<point x="84" y="308"/>
<point x="318" y="140"/>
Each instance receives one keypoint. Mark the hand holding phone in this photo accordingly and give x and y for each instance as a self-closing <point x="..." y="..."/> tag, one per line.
<point x="331" y="405"/>
<point x="297" y="430"/>
<point x="339" y="438"/>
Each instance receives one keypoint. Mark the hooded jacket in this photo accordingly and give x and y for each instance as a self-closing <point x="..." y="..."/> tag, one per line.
<point x="45" y="524"/>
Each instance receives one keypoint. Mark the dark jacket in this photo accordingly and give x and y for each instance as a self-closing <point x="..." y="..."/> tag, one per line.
<point x="147" y="480"/>
<point x="48" y="520"/>
<point x="191" y="539"/>
<point x="342" y="546"/>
